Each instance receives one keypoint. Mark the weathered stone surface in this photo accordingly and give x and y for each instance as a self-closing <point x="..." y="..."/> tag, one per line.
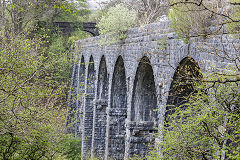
<point x="134" y="79"/>
<point x="87" y="127"/>
<point x="100" y="116"/>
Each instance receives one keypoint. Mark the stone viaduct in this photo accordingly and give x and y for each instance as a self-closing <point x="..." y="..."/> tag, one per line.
<point x="120" y="92"/>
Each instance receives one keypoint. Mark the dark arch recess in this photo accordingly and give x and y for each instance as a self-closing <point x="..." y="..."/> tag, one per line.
<point x="119" y="88"/>
<point x="182" y="85"/>
<point x="143" y="116"/>
<point x="88" y="117"/>
<point x="81" y="91"/>
<point x="102" y="90"/>
<point x="100" y="112"/>
<point x="118" y="112"/>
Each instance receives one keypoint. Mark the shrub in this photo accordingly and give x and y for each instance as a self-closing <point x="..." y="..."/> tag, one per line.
<point x="117" y="21"/>
<point x="189" y="20"/>
<point x="207" y="127"/>
<point x="70" y="148"/>
<point x="32" y="116"/>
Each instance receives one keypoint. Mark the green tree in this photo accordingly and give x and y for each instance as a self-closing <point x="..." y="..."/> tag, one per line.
<point x="20" y="15"/>
<point x="117" y="21"/>
<point x="209" y="128"/>
<point x="34" y="75"/>
<point x="148" y="11"/>
<point x="31" y="119"/>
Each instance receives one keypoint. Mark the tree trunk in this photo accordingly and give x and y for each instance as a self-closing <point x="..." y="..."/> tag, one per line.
<point x="17" y="15"/>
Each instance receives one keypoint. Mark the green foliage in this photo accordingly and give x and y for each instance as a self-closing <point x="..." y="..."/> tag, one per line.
<point x="95" y="16"/>
<point x="117" y="21"/>
<point x="31" y="120"/>
<point x="59" y="51"/>
<point x="189" y="19"/>
<point x="208" y="126"/>
<point x="24" y="15"/>
<point x="33" y="82"/>
<point x="192" y="18"/>
<point x="233" y="26"/>
<point x="71" y="148"/>
<point x="72" y="12"/>
<point x="77" y="35"/>
<point x="34" y="73"/>
<point x="59" y="54"/>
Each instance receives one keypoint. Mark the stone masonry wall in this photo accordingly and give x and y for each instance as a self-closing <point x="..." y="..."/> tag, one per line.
<point x="127" y="81"/>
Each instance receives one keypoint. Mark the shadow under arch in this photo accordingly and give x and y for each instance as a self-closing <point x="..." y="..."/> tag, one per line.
<point x="81" y="91"/>
<point x="117" y="113"/>
<point x="143" y="117"/>
<point x="100" y="120"/>
<point x="88" y="111"/>
<point x="182" y="86"/>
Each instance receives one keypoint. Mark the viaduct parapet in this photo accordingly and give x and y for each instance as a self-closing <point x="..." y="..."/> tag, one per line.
<point x="120" y="92"/>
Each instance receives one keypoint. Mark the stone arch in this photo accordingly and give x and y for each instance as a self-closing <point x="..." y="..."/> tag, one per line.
<point x="143" y="117"/>
<point x="144" y="99"/>
<point x="102" y="90"/>
<point x="117" y="112"/>
<point x="88" y="111"/>
<point x="81" y="91"/>
<point x="182" y="84"/>
<point x="100" y="120"/>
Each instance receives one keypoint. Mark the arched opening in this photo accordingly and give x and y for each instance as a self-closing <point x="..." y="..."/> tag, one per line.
<point x="81" y="91"/>
<point x="182" y="85"/>
<point x="143" y="116"/>
<point x="102" y="90"/>
<point x="91" y="29"/>
<point x="118" y="112"/>
<point x="88" y="114"/>
<point x="100" y="111"/>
